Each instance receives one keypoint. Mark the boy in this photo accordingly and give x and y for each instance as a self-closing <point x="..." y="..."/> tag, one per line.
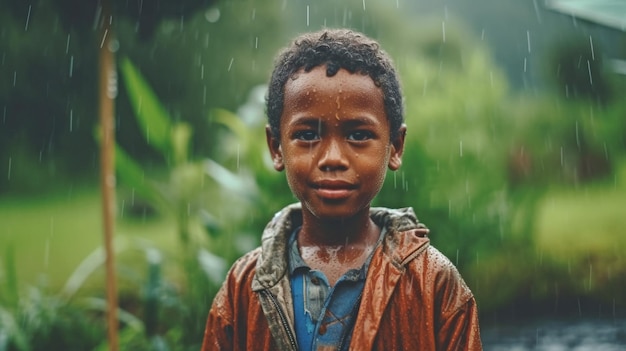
<point x="333" y="273"/>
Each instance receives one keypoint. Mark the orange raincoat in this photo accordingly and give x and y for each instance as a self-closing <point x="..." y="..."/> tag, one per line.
<point x="413" y="298"/>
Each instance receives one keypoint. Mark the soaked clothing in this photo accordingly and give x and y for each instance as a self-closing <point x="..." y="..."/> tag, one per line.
<point x="324" y="316"/>
<point x="413" y="297"/>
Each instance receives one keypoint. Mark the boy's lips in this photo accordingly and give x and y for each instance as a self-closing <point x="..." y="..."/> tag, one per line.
<point x="334" y="189"/>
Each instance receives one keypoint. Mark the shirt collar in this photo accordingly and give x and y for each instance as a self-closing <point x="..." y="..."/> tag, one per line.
<point x="296" y="263"/>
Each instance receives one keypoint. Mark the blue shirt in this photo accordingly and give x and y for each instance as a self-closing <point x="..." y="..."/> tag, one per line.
<point x="324" y="316"/>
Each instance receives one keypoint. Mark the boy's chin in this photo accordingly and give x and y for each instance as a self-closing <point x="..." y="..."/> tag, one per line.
<point x="334" y="212"/>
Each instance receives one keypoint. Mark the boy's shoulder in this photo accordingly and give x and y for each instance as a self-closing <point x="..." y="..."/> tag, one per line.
<point x="244" y="267"/>
<point x="443" y="274"/>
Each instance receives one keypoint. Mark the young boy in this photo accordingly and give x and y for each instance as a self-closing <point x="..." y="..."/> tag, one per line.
<point x="332" y="273"/>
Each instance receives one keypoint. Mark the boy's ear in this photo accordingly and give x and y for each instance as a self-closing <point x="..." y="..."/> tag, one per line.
<point x="273" y="144"/>
<point x="397" y="148"/>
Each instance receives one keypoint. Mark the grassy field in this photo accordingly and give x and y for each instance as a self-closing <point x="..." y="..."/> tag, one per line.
<point x="584" y="220"/>
<point x="51" y="235"/>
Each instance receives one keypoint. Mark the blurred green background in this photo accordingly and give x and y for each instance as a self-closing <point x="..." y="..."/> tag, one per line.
<point x="515" y="159"/>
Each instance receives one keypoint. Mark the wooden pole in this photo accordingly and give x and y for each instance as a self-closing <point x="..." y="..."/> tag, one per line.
<point x="108" y="90"/>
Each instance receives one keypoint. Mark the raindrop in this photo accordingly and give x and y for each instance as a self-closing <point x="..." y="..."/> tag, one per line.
<point x="461" y="148"/>
<point x="363" y="5"/>
<point x="589" y="69"/>
<point x="28" y="18"/>
<point x="9" y="171"/>
<point x="67" y="44"/>
<point x="307" y="15"/>
<point x="71" y="119"/>
<point x="230" y="65"/>
<point x="14" y="77"/>
<point x="253" y="14"/>
<point x="403" y="180"/>
<point x="106" y="31"/>
<point x="256" y="42"/>
<point x="537" y="11"/>
<point x="525" y="64"/>
<point x="482" y="34"/>
<point x="593" y="56"/>
<point x="528" y="39"/>
<point x="202" y="71"/>
<point x="71" y="65"/>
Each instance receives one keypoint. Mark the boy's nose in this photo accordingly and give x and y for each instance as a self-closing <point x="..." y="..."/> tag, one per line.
<point x="332" y="157"/>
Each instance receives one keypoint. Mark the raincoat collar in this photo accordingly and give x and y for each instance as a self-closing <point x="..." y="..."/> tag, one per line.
<point x="274" y="241"/>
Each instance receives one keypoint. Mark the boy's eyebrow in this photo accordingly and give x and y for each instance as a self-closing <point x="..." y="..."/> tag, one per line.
<point x="307" y="120"/>
<point x="315" y="121"/>
<point x="362" y="120"/>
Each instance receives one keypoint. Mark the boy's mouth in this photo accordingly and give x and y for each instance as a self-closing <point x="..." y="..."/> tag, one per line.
<point x="334" y="189"/>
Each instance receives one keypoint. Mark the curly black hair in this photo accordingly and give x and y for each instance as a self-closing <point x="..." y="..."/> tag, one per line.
<point x="335" y="48"/>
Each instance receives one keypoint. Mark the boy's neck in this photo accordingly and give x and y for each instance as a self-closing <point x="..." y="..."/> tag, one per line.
<point x="357" y="230"/>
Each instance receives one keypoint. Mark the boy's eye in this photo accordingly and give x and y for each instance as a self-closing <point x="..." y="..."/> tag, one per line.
<point x="306" y="135"/>
<point x="360" y="135"/>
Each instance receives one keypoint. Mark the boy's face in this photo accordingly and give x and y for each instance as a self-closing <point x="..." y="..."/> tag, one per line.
<point x="334" y="142"/>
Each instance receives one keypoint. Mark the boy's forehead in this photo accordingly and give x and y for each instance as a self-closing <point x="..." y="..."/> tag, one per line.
<point x="340" y="96"/>
<point x="318" y="76"/>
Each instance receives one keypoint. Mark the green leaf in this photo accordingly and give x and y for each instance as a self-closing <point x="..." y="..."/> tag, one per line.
<point x="154" y="120"/>
<point x="134" y="176"/>
<point x="181" y="136"/>
<point x="231" y="121"/>
<point x="233" y="182"/>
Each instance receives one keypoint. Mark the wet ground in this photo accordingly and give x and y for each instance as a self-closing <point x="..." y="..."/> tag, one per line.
<point x="557" y="335"/>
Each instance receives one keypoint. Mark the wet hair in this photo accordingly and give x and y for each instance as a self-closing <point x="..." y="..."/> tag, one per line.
<point x="337" y="49"/>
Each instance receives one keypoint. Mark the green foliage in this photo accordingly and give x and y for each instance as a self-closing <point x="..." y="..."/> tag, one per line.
<point x="35" y="319"/>
<point x="193" y="191"/>
<point x="152" y="117"/>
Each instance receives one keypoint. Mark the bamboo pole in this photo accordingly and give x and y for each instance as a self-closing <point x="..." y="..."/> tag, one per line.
<point x="108" y="90"/>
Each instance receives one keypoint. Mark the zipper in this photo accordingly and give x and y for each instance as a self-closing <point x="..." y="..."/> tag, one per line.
<point x="283" y="319"/>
